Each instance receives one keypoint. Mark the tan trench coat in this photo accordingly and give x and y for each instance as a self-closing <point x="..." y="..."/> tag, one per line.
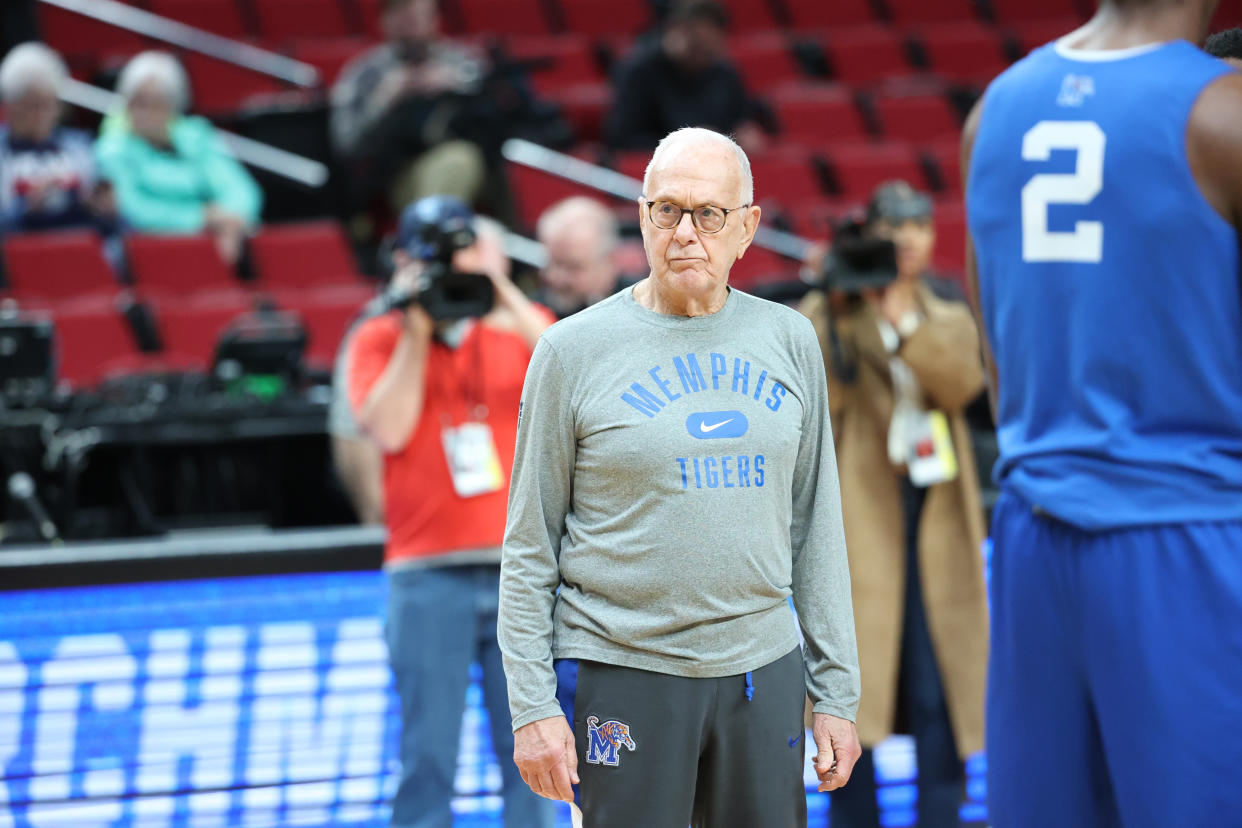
<point x="943" y="354"/>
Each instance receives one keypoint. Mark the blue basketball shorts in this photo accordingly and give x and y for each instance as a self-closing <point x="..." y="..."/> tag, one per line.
<point x="1115" y="679"/>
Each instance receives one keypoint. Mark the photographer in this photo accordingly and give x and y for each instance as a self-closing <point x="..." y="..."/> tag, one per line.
<point x="902" y="364"/>
<point x="436" y="384"/>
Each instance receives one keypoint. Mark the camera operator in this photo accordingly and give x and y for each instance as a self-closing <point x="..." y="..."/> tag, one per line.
<point x="902" y="364"/>
<point x="436" y="383"/>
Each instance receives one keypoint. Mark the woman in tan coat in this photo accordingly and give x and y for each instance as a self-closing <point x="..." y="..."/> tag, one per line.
<point x="901" y="369"/>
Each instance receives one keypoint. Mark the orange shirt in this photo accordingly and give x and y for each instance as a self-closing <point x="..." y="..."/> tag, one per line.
<point x="425" y="515"/>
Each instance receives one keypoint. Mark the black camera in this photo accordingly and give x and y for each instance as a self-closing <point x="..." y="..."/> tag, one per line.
<point x="431" y="231"/>
<point x="858" y="262"/>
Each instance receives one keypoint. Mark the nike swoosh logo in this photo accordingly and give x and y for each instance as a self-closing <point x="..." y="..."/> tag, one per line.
<point x="707" y="429"/>
<point x="795" y="740"/>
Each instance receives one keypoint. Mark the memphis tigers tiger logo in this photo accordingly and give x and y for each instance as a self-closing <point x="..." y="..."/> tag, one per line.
<point x="604" y="741"/>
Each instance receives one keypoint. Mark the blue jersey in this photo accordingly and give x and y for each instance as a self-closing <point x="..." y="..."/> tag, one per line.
<point x="1110" y="290"/>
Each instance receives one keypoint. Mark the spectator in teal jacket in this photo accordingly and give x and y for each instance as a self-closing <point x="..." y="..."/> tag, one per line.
<point x="172" y="173"/>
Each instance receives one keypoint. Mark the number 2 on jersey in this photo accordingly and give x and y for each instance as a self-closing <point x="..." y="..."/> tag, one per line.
<point x="1085" y="243"/>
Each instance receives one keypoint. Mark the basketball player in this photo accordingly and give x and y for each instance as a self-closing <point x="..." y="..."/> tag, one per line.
<point x="1104" y="192"/>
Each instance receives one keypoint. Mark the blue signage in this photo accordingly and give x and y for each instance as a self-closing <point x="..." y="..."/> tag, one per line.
<point x="256" y="701"/>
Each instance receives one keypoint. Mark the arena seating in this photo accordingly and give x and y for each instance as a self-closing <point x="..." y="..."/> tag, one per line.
<point x="63" y="269"/>
<point x="860" y="91"/>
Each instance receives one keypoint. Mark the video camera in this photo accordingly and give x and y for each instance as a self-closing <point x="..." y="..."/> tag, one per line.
<point x="431" y="231"/>
<point x="858" y="262"/>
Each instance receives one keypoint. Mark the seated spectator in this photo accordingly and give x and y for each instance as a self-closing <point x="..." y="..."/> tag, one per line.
<point x="48" y="178"/>
<point x="1226" y="45"/>
<point x="580" y="237"/>
<point x="392" y="110"/>
<point x="683" y="78"/>
<point x="171" y="171"/>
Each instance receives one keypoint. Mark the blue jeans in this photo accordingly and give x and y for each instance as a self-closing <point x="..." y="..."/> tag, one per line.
<point x="439" y="621"/>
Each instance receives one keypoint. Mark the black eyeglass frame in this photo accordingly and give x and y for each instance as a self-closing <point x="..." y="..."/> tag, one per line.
<point x="693" y="219"/>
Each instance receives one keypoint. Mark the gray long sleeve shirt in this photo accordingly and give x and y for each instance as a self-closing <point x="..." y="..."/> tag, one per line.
<point x="674" y="484"/>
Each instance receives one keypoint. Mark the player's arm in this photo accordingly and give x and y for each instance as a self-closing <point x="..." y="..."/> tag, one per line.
<point x="969" y="131"/>
<point x="1214" y="146"/>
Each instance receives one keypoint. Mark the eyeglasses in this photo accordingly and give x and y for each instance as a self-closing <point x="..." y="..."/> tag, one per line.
<point x="708" y="218"/>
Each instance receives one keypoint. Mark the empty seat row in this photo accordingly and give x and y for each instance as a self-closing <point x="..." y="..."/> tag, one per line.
<point x="786" y="178"/>
<point x="95" y="344"/>
<point x="67" y="269"/>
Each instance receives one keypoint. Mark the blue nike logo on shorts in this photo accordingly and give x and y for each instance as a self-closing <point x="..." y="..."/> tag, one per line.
<point x="795" y="739"/>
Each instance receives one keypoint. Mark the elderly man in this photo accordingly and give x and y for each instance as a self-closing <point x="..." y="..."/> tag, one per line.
<point x="580" y="235"/>
<point x="674" y="484"/>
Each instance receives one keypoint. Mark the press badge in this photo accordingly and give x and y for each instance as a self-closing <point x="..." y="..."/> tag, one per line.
<point x="472" y="459"/>
<point x="930" y="458"/>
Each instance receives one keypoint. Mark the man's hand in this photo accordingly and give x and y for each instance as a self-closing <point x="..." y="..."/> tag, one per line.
<point x="544" y="753"/>
<point x="837" y="741"/>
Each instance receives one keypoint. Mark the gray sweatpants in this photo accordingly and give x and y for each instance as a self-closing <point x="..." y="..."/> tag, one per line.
<point x="662" y="751"/>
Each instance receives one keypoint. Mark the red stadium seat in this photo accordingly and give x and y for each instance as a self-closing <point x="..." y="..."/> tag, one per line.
<point x="916" y="117"/>
<point x="866" y="54"/>
<point x="75" y="35"/>
<point x="948" y="159"/>
<point x="750" y="15"/>
<point x="1227" y="16"/>
<point x="950" y="255"/>
<point x="556" y="62"/>
<point x="632" y="163"/>
<point x="585" y="106"/>
<point x="325" y="323"/>
<point x="536" y="191"/>
<point x="786" y="177"/>
<point x="605" y="17"/>
<point x="816" y="115"/>
<point x="220" y="87"/>
<point x="194" y="331"/>
<point x="816" y="219"/>
<point x="87" y="342"/>
<point x="1032" y="35"/>
<point x="1024" y="11"/>
<point x="906" y="12"/>
<point x="371" y="10"/>
<point x="181" y="267"/>
<point x="860" y="169"/>
<point x="759" y="266"/>
<point x="62" y="268"/>
<point x="967" y="52"/>
<point x="330" y="56"/>
<point x="285" y="20"/>
<point x="303" y="255"/>
<point x="764" y="60"/>
<point x="217" y="16"/>
<point x="506" y="17"/>
<point x="811" y="14"/>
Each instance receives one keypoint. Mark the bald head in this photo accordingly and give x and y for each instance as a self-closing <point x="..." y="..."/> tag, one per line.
<point x="695" y="146"/>
<point x="580" y="237"/>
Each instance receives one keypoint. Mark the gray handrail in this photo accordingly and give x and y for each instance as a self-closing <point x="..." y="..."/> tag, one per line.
<point x="529" y="154"/>
<point x="196" y="40"/>
<point x="264" y="156"/>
